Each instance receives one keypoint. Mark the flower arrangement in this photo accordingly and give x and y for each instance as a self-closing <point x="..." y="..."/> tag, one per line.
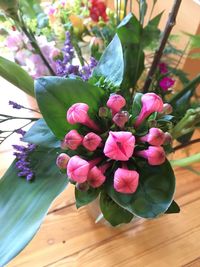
<point x="106" y="127"/>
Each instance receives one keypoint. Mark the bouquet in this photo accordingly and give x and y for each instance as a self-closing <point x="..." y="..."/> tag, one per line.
<point x="108" y="134"/>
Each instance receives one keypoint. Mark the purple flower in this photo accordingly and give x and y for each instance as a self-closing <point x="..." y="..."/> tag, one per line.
<point x="15" y="105"/>
<point x="163" y="68"/>
<point x="20" y="131"/>
<point x="166" y="83"/>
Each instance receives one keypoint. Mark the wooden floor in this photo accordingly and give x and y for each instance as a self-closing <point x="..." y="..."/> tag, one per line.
<point x="71" y="238"/>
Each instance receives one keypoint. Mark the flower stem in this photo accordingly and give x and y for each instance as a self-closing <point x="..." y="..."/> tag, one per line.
<point x="187" y="144"/>
<point x="186" y="161"/>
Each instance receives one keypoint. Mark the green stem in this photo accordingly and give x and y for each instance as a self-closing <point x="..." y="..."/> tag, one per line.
<point x="186" y="161"/>
<point x="78" y="51"/>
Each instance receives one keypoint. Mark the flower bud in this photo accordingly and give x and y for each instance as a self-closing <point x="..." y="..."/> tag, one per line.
<point x="155" y="137"/>
<point x="167" y="109"/>
<point x="154" y="154"/>
<point x="126" y="181"/>
<point x="82" y="187"/>
<point x="95" y="177"/>
<point x="77" y="169"/>
<point x="150" y="103"/>
<point x="91" y="141"/>
<point x="119" y="145"/>
<point x="103" y="112"/>
<point x="168" y="138"/>
<point x="78" y="113"/>
<point x="166" y="83"/>
<point x="116" y="103"/>
<point x="62" y="161"/>
<point x="72" y="140"/>
<point x="121" y="118"/>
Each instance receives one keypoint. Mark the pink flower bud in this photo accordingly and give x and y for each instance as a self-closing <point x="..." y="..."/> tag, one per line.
<point x="167" y="109"/>
<point x="168" y="138"/>
<point x="126" y="181"/>
<point x="62" y="161"/>
<point x="154" y="154"/>
<point x="95" y="177"/>
<point x="121" y="118"/>
<point x="150" y="103"/>
<point x="116" y="103"/>
<point x="78" y="113"/>
<point x="119" y="145"/>
<point x="72" y="140"/>
<point x="91" y="141"/>
<point x="77" y="169"/>
<point x="155" y="137"/>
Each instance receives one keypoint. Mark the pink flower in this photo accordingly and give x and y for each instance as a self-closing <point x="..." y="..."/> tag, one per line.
<point x="116" y="103"/>
<point x="126" y="181"/>
<point x="95" y="177"/>
<point x="121" y="118"/>
<point x="119" y="145"/>
<point x="166" y="83"/>
<point x="78" y="113"/>
<point x="72" y="140"/>
<point x="163" y="68"/>
<point x="91" y="141"/>
<point x="15" y="41"/>
<point x="62" y="161"/>
<point x="77" y="169"/>
<point x="150" y="103"/>
<point x="154" y="154"/>
<point x="155" y="137"/>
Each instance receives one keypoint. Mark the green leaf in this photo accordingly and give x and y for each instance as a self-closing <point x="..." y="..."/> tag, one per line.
<point x="40" y="134"/>
<point x="55" y="95"/>
<point x="143" y="10"/>
<point x="24" y="205"/>
<point x="111" y="64"/>
<point x="154" y="193"/>
<point x="173" y="208"/>
<point x="112" y="212"/>
<point x="31" y="8"/>
<point x="137" y="106"/>
<point x="85" y="197"/>
<point x="16" y="75"/>
<point x="129" y="30"/>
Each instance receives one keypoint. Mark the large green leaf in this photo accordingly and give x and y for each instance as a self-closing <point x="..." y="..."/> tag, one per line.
<point x="85" y="197"/>
<point x="154" y="193"/>
<point x="40" y="134"/>
<point x="23" y="205"/>
<point x="112" y="212"/>
<point x="111" y="64"/>
<point x="55" y="95"/>
<point x="16" y="75"/>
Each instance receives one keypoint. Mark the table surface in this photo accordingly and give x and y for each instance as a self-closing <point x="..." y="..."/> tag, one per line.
<point x="69" y="237"/>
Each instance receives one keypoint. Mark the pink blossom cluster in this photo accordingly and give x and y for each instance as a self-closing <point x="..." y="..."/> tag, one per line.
<point x="116" y="147"/>
<point x="166" y="81"/>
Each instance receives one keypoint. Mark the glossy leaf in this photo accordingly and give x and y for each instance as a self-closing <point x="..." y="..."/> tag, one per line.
<point x="137" y="106"/>
<point x="16" y="75"/>
<point x="112" y="212"/>
<point x="85" y="197"/>
<point x="173" y="208"/>
<point x="111" y="65"/>
<point x="55" y="95"/>
<point x="154" y="193"/>
<point x="24" y="205"/>
<point x="40" y="134"/>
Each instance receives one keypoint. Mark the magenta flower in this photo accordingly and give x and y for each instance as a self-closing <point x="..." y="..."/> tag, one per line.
<point x="116" y="103"/>
<point x="166" y="83"/>
<point x="95" y="177"/>
<point x="154" y="154"/>
<point x="72" y="140"/>
<point x="163" y="68"/>
<point x="77" y="169"/>
<point x="91" y="141"/>
<point x="120" y="118"/>
<point x="78" y="113"/>
<point x="150" y="103"/>
<point x="126" y="181"/>
<point x="119" y="145"/>
<point x="155" y="137"/>
<point x="62" y="161"/>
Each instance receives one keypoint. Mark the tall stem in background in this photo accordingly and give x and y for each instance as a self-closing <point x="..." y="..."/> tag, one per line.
<point x="168" y="28"/>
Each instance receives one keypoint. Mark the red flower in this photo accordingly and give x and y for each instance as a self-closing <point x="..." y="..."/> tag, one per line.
<point x="98" y="10"/>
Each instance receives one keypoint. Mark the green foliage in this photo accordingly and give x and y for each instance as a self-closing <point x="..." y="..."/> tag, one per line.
<point x="55" y="95"/>
<point x="137" y="105"/>
<point x="40" y="134"/>
<point x="16" y="75"/>
<point x="112" y="212"/>
<point x="85" y="197"/>
<point x="154" y="193"/>
<point x="173" y="208"/>
<point x="24" y="205"/>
